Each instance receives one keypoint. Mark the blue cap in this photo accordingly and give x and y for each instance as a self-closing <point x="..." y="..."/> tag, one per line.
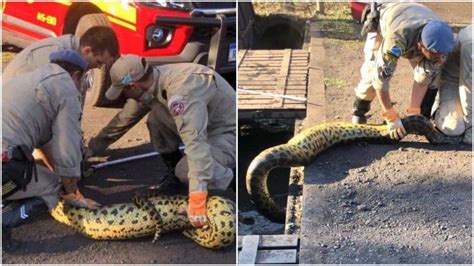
<point x="70" y="56"/>
<point x="438" y="37"/>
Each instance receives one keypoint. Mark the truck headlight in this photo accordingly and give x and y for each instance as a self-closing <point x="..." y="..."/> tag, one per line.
<point x="158" y="36"/>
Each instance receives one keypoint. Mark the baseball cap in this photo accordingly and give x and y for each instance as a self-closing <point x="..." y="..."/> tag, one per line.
<point x="438" y="37"/>
<point x="69" y="56"/>
<point x="127" y="69"/>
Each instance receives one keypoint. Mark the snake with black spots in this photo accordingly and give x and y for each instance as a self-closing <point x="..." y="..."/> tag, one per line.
<point x="151" y="215"/>
<point x="302" y="149"/>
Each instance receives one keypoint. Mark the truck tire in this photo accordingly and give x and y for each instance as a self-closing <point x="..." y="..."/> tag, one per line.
<point x="98" y="78"/>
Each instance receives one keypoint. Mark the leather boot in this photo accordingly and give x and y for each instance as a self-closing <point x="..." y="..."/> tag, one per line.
<point x="169" y="183"/>
<point x="427" y="103"/>
<point x="360" y="108"/>
<point x="16" y="213"/>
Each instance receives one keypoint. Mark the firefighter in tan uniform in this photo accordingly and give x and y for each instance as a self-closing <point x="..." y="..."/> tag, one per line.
<point x="408" y="30"/>
<point x="454" y="116"/>
<point x="189" y="104"/>
<point x="97" y="46"/>
<point x="42" y="107"/>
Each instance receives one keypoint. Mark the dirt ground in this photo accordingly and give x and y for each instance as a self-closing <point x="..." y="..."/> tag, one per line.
<point x="47" y="241"/>
<point x="404" y="203"/>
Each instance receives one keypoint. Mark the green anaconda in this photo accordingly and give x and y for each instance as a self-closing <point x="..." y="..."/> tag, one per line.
<point x="306" y="146"/>
<point x="151" y="215"/>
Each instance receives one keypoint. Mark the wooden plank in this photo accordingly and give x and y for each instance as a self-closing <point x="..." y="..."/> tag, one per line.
<point x="278" y="52"/>
<point x="255" y="77"/>
<point x="280" y="256"/>
<point x="271" y="88"/>
<point x="284" y="72"/>
<point x="271" y="114"/>
<point x="294" y="63"/>
<point x="290" y="83"/>
<point x="248" y="254"/>
<point x="316" y="112"/>
<point x="258" y="72"/>
<point x="301" y="70"/>
<point x="262" y="97"/>
<point x="266" y="106"/>
<point x="241" y="57"/>
<point x="300" y="90"/>
<point x="273" y="241"/>
<point x="276" y="67"/>
<point x="279" y="72"/>
<point x="251" y="57"/>
<point x="269" y="241"/>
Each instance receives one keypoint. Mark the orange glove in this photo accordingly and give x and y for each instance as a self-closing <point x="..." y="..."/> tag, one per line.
<point x="414" y="111"/>
<point x="197" y="208"/>
<point x="394" y="124"/>
<point x="78" y="200"/>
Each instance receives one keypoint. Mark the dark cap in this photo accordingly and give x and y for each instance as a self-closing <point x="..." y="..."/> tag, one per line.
<point x="438" y="37"/>
<point x="70" y="56"/>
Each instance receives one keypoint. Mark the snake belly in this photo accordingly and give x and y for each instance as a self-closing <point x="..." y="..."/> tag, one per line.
<point x="302" y="149"/>
<point x="128" y="220"/>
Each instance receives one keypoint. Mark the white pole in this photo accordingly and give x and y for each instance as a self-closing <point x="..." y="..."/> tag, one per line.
<point x="128" y="159"/>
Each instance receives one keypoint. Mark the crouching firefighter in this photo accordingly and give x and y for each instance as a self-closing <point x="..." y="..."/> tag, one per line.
<point x="394" y="31"/>
<point x="42" y="111"/>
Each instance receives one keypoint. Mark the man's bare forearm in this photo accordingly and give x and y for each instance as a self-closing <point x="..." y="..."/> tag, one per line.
<point x="417" y="94"/>
<point x="384" y="99"/>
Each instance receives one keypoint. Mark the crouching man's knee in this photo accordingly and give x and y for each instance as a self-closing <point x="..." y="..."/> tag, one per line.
<point x="451" y="124"/>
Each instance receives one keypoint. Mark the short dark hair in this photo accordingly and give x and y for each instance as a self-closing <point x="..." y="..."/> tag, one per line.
<point x="70" y="68"/>
<point x="101" y="39"/>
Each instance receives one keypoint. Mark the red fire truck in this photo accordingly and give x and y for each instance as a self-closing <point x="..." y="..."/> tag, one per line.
<point x="161" y="31"/>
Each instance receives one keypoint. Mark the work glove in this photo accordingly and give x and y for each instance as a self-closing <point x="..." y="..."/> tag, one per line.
<point x="197" y="208"/>
<point x="78" y="200"/>
<point x="414" y="111"/>
<point x="394" y="124"/>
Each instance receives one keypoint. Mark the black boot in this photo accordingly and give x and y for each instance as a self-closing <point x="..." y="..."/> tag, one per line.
<point x="17" y="212"/>
<point x="360" y="108"/>
<point x="169" y="183"/>
<point x="428" y="101"/>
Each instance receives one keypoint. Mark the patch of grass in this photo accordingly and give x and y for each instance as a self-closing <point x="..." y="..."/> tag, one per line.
<point x="297" y="9"/>
<point x="334" y="82"/>
<point x="335" y="23"/>
<point x="346" y="43"/>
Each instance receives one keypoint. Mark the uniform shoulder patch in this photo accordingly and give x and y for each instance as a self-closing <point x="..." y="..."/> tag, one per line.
<point x="395" y="51"/>
<point x="177" y="105"/>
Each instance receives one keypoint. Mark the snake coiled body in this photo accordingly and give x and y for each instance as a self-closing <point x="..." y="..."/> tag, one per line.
<point x="151" y="215"/>
<point x="306" y="146"/>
